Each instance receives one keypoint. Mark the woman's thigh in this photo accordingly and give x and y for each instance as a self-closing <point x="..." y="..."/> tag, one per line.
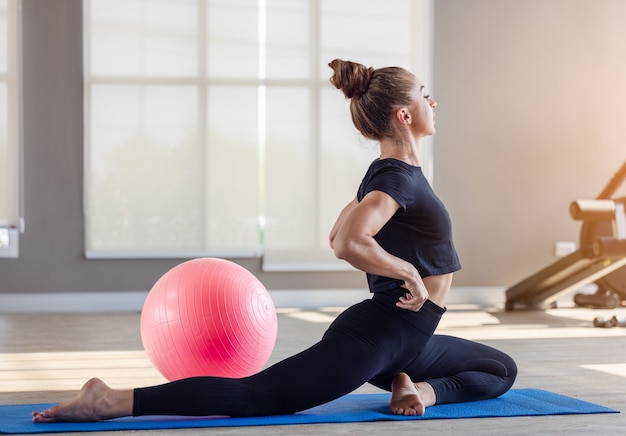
<point x="447" y="356"/>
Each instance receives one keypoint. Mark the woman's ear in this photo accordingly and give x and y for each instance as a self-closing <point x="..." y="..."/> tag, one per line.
<point x="403" y="115"/>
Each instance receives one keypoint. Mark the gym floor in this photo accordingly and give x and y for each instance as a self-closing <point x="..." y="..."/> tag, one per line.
<point x="47" y="357"/>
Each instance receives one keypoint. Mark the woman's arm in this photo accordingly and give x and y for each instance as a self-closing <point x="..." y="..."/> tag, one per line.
<point x="352" y="239"/>
<point x="340" y="219"/>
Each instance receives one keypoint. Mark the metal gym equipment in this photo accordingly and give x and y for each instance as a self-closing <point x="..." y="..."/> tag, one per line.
<point x="601" y="258"/>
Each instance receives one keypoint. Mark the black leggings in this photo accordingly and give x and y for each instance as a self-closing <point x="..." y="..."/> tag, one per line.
<point x="371" y="341"/>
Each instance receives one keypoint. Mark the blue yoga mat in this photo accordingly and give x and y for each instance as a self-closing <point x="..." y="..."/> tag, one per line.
<point x="16" y="419"/>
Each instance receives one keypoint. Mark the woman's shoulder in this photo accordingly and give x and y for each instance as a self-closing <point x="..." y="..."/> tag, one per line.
<point x="391" y="163"/>
<point x="393" y="177"/>
<point x="393" y="168"/>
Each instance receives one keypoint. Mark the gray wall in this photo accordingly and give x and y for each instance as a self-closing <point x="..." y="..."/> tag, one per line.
<point x="532" y="101"/>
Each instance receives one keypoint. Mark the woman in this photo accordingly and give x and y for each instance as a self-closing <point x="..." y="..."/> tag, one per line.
<point x="399" y="233"/>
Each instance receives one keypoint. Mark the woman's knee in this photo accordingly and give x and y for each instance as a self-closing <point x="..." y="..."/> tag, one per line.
<point x="510" y="373"/>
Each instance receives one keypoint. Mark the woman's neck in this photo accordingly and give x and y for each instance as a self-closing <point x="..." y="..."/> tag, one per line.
<point x="406" y="152"/>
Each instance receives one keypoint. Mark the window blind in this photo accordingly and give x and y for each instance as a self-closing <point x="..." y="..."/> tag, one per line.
<point x="212" y="129"/>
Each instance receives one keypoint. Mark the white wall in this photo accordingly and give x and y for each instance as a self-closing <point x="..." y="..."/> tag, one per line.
<point x="531" y="116"/>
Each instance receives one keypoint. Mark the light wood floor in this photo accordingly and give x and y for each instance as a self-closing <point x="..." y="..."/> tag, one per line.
<point x="45" y="357"/>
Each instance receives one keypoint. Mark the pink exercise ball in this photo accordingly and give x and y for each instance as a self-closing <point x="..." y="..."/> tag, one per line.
<point x="208" y="317"/>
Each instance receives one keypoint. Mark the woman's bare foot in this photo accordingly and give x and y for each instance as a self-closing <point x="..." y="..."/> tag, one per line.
<point x="95" y="402"/>
<point x="408" y="398"/>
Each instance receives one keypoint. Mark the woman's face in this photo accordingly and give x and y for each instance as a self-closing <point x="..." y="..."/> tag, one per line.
<point x="422" y="111"/>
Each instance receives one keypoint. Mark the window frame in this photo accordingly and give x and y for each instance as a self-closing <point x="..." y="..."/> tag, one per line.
<point x="13" y="223"/>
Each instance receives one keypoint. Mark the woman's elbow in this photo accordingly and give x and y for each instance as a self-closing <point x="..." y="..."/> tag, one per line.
<point x="342" y="248"/>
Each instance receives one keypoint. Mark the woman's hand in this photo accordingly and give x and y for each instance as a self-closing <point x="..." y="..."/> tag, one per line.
<point x="415" y="298"/>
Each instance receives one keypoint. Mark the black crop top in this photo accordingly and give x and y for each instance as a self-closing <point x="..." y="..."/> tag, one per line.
<point x="420" y="232"/>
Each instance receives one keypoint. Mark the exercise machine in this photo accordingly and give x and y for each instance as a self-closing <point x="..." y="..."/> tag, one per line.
<point x="601" y="258"/>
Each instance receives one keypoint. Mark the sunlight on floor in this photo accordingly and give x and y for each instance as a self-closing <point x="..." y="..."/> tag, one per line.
<point x="473" y="318"/>
<point x="315" y="317"/>
<point x="530" y="331"/>
<point x="475" y="323"/>
<point x="21" y="372"/>
<point x="68" y="370"/>
<point x="618" y="369"/>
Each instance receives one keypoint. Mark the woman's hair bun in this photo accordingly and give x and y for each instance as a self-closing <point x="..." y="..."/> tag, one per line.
<point x="350" y="77"/>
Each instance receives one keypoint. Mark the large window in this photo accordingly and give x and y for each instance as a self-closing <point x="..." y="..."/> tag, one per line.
<point x="212" y="129"/>
<point x="9" y="129"/>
